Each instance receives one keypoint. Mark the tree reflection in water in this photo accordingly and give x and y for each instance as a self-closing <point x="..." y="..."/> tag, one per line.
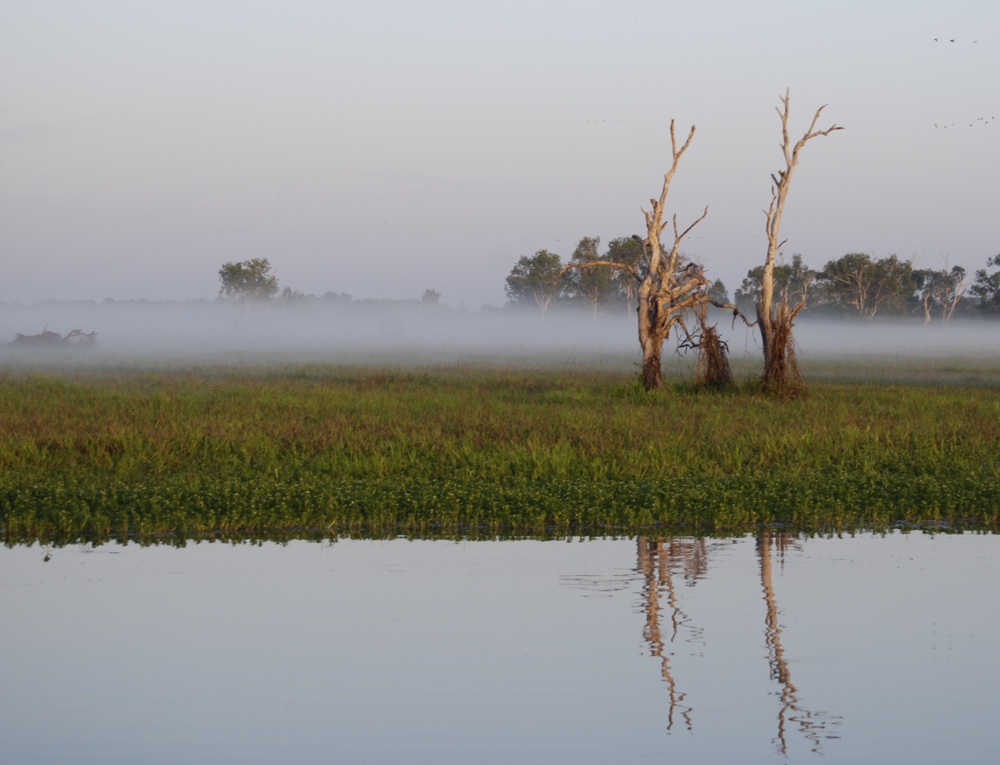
<point x="812" y="725"/>
<point x="659" y="561"/>
<point x="656" y="558"/>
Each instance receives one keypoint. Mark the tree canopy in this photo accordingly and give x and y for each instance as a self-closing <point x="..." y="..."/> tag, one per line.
<point x="597" y="287"/>
<point x="535" y="279"/>
<point x="248" y="280"/>
<point x="987" y="287"/>
<point x="790" y="279"/>
<point x="940" y="290"/>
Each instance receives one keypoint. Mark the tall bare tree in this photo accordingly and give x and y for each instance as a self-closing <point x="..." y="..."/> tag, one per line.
<point x="670" y="286"/>
<point x="775" y="314"/>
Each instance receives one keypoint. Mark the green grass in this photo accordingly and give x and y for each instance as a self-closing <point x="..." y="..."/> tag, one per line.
<point x="300" y="450"/>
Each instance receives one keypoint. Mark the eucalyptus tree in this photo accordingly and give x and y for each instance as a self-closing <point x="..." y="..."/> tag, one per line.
<point x="986" y="288"/>
<point x="866" y="285"/>
<point x="792" y="279"/>
<point x="942" y="289"/>
<point x="628" y="251"/>
<point x="597" y="287"/>
<point x="536" y="280"/>
<point x="248" y="280"/>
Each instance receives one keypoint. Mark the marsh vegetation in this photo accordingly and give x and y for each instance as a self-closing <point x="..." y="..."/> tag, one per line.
<point x="488" y="450"/>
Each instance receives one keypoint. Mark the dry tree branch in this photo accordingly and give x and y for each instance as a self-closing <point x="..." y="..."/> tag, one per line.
<point x="679" y="237"/>
<point x="605" y="263"/>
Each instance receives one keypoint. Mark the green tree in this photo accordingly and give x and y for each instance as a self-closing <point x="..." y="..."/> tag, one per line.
<point x="248" y="280"/>
<point x="986" y="288"/>
<point x="627" y="251"/>
<point x="941" y="290"/>
<point x="868" y="286"/>
<point x="791" y="280"/>
<point x="535" y="280"/>
<point x="431" y="297"/>
<point x="598" y="287"/>
<point x="718" y="293"/>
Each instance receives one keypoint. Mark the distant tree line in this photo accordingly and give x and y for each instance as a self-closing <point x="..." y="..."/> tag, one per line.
<point x="855" y="284"/>
<point x="253" y="281"/>
<point x="543" y="279"/>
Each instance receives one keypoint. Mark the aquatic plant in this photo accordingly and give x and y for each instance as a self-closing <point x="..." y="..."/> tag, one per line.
<point x="456" y="450"/>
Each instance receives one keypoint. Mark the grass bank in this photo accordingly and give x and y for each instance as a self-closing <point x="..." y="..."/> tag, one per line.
<point x="466" y="450"/>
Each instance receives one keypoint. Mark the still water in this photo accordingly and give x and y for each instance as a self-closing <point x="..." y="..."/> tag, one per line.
<point x="864" y="649"/>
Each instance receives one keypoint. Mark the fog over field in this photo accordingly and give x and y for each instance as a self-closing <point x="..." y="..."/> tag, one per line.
<point x="410" y="332"/>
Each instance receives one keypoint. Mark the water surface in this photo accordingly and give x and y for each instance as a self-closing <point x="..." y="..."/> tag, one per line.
<point x="865" y="649"/>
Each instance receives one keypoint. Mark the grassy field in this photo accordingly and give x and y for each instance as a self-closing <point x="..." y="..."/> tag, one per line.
<point x="478" y="450"/>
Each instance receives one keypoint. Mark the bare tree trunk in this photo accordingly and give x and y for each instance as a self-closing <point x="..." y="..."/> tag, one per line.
<point x="781" y="374"/>
<point x="956" y="298"/>
<point x="781" y="370"/>
<point x="651" y="341"/>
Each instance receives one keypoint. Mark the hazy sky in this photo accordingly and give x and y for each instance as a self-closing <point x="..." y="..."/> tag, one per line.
<point x="383" y="147"/>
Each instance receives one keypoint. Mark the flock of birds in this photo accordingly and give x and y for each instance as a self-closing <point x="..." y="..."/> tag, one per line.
<point x="982" y="120"/>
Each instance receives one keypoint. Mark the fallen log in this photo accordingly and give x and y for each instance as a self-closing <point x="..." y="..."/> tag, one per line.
<point x="47" y="339"/>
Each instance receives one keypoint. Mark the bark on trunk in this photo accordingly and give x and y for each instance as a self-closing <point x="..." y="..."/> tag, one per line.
<point x="781" y="370"/>
<point x="651" y="341"/>
<point x="652" y="365"/>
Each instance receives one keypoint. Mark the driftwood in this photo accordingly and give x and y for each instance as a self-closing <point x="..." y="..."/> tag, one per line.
<point x="47" y="339"/>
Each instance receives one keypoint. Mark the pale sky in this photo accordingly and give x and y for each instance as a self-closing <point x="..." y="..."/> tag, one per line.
<point x="384" y="147"/>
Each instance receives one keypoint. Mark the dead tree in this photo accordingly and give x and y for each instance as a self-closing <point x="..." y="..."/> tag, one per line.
<point x="671" y="288"/>
<point x="775" y="318"/>
<point x="48" y="339"/>
<point x="713" y="352"/>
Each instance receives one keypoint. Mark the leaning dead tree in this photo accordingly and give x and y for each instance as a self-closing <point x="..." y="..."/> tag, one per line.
<point x="776" y="316"/>
<point x="672" y="290"/>
<point x="48" y="339"/>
